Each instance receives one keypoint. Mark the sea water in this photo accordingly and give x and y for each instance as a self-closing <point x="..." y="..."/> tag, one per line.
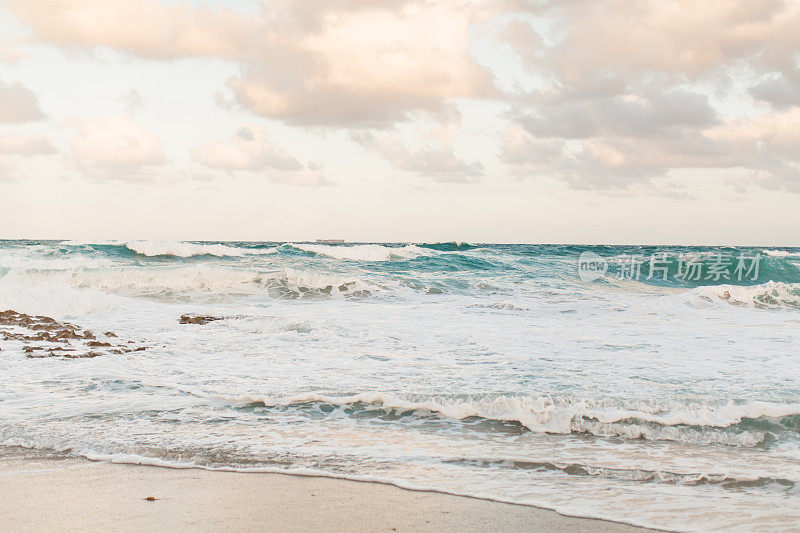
<point x="494" y="371"/>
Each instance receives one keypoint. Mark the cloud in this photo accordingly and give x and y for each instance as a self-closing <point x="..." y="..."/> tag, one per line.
<point x="145" y="28"/>
<point x="115" y="148"/>
<point x="647" y="112"/>
<point x="369" y="68"/>
<point x="26" y="145"/>
<point x="14" y="146"/>
<point x="435" y="160"/>
<point x="767" y="147"/>
<point x="9" y="55"/>
<point x="622" y="92"/>
<point x="18" y="103"/>
<point x="342" y="63"/>
<point x="780" y="91"/>
<point x="251" y="150"/>
<point x="686" y="40"/>
<point x="610" y="95"/>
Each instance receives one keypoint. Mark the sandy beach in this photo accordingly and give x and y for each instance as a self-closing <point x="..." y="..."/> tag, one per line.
<point x="44" y="492"/>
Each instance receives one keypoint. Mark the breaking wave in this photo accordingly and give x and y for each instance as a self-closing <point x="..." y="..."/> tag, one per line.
<point x="195" y="279"/>
<point x="782" y="253"/>
<point x="748" y="425"/>
<point x="362" y="252"/>
<point x="770" y="295"/>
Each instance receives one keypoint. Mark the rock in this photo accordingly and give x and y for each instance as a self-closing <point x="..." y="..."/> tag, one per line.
<point x="198" y="319"/>
<point x="71" y="341"/>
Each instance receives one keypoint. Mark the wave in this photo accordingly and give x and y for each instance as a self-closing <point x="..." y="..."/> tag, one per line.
<point x="362" y="252"/>
<point x="92" y="243"/>
<point x="194" y="279"/>
<point x="505" y="305"/>
<point x="450" y="246"/>
<point x="633" y="474"/>
<point x="782" y="253"/>
<point x="185" y="249"/>
<point x="14" y="260"/>
<point x="292" y="283"/>
<point x="146" y="281"/>
<point x="175" y="248"/>
<point x="748" y="425"/>
<point x="771" y="295"/>
<point x="708" y="267"/>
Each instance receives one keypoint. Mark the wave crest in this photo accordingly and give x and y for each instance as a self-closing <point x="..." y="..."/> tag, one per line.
<point x="770" y="295"/>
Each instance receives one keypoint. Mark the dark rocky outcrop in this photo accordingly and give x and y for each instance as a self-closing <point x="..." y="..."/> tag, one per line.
<point x="43" y="336"/>
<point x="199" y="319"/>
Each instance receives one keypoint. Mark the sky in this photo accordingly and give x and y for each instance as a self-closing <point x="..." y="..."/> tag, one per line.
<point x="622" y="121"/>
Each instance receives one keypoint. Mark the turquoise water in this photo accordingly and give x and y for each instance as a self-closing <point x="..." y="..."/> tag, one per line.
<point x="487" y="370"/>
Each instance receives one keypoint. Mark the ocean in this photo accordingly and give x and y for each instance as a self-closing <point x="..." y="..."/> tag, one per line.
<point x="653" y="385"/>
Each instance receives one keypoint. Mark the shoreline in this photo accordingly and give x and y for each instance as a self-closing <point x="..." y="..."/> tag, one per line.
<point x="43" y="490"/>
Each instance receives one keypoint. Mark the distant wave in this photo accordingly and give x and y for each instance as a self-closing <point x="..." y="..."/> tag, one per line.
<point x="21" y="259"/>
<point x="176" y="248"/>
<point x="185" y="249"/>
<point x="362" y="252"/>
<point x="450" y="246"/>
<point x="92" y="243"/>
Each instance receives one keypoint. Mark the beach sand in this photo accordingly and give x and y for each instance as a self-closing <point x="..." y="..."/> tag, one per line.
<point x="46" y="491"/>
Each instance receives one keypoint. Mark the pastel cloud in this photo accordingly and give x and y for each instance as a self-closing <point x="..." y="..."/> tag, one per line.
<point x="345" y="64"/>
<point x="250" y="149"/>
<point x="615" y="94"/>
<point x="26" y="145"/>
<point x="18" y="104"/>
<point x="145" y="28"/>
<point x="624" y="90"/>
<point x="115" y="148"/>
<point x="434" y="158"/>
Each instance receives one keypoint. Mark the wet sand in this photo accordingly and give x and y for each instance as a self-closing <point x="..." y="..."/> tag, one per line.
<point x="47" y="491"/>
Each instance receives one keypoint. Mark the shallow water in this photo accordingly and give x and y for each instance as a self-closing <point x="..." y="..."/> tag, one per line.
<point x="488" y="370"/>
